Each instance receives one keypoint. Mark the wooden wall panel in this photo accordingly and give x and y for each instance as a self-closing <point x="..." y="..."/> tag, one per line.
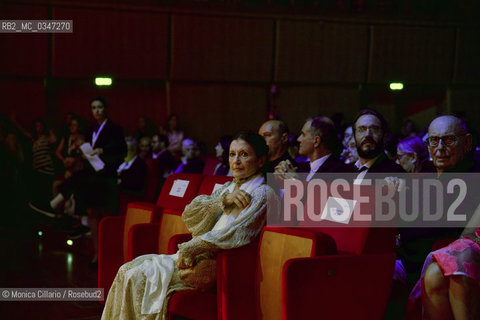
<point x="296" y="104"/>
<point x="468" y="62"/>
<point x="315" y="51"/>
<point x="206" y="112"/>
<point x="122" y="44"/>
<point x="225" y="49"/>
<point x="127" y="102"/>
<point x="24" y="98"/>
<point x="466" y="102"/>
<point x="23" y="54"/>
<point x="411" y="54"/>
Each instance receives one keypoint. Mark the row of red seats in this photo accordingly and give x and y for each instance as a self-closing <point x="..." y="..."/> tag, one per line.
<point x="290" y="273"/>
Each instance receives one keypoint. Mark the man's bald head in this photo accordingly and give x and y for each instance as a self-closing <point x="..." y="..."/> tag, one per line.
<point x="448" y="141"/>
<point x="275" y="133"/>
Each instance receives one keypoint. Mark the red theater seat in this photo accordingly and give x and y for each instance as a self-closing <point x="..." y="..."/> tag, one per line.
<point x="113" y="239"/>
<point x="249" y="278"/>
<point x="154" y="238"/>
<point x="355" y="283"/>
<point x="114" y="249"/>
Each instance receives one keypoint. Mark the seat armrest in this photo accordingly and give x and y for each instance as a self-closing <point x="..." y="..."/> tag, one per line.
<point x="236" y="282"/>
<point x="142" y="239"/>
<point x="110" y="250"/>
<point x="337" y="286"/>
<point x="176" y="240"/>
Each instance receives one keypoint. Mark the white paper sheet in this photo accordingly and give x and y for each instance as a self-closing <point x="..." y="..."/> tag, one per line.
<point x="338" y="210"/>
<point x="179" y="187"/>
<point x="95" y="160"/>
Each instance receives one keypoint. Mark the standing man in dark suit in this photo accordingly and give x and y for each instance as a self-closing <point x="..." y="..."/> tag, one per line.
<point x="317" y="140"/>
<point x="369" y="129"/>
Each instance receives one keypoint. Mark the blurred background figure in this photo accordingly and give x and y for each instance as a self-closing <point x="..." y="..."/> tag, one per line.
<point x="191" y="162"/>
<point x="275" y="133"/>
<point x="146" y="128"/>
<point x="349" y="153"/>
<point x="43" y="173"/>
<point x="221" y="152"/>
<point x="409" y="129"/>
<point x="175" y="135"/>
<point x="145" y="148"/>
<point x="132" y="173"/>
<point x="412" y="155"/>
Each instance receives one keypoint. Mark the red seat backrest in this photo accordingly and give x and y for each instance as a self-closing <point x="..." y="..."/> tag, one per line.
<point x="178" y="190"/>
<point x="210" y="165"/>
<point x="209" y="183"/>
<point x="354" y="237"/>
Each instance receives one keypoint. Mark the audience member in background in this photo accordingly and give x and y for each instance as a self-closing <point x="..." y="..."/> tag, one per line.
<point x="409" y="129"/>
<point x="13" y="163"/>
<point x="43" y="173"/>
<point x="390" y="145"/>
<point x="349" y="153"/>
<point x="275" y="133"/>
<point x="68" y="151"/>
<point x="146" y="128"/>
<point x="175" y="136"/>
<point x="65" y="129"/>
<point x="132" y="173"/>
<point x="231" y="217"/>
<point x="145" y="148"/>
<point x="451" y="275"/>
<point x="163" y="156"/>
<point x="191" y="163"/>
<point x="69" y="154"/>
<point x="412" y="155"/>
<point x="317" y="140"/>
<point x="221" y="152"/>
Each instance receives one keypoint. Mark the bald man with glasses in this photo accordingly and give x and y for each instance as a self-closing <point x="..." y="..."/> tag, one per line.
<point x="449" y="145"/>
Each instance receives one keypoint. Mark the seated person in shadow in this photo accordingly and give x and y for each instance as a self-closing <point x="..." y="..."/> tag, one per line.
<point x="191" y="162"/>
<point x="132" y="173"/>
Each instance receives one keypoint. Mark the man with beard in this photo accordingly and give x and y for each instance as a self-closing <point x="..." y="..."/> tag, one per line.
<point x="369" y="129"/>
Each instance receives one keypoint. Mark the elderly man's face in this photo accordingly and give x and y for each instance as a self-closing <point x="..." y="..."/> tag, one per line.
<point x="368" y="136"/>
<point x="447" y="143"/>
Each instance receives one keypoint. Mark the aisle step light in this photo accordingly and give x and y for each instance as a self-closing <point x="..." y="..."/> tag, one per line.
<point x="69" y="242"/>
<point x="103" y="81"/>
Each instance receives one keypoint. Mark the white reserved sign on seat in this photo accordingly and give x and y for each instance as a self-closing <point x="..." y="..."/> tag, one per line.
<point x="338" y="210"/>
<point x="178" y="188"/>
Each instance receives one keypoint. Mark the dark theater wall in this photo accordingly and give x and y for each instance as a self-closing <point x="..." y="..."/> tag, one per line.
<point x="214" y="68"/>
<point x="221" y="48"/>
<point x="127" y="101"/>
<point x="119" y="43"/>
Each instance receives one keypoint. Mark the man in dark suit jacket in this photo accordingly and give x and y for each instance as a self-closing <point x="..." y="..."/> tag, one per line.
<point x="369" y="129"/>
<point x="317" y="140"/>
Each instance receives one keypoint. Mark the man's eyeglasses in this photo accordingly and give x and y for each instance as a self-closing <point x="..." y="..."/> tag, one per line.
<point x="373" y="129"/>
<point x="446" y="140"/>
